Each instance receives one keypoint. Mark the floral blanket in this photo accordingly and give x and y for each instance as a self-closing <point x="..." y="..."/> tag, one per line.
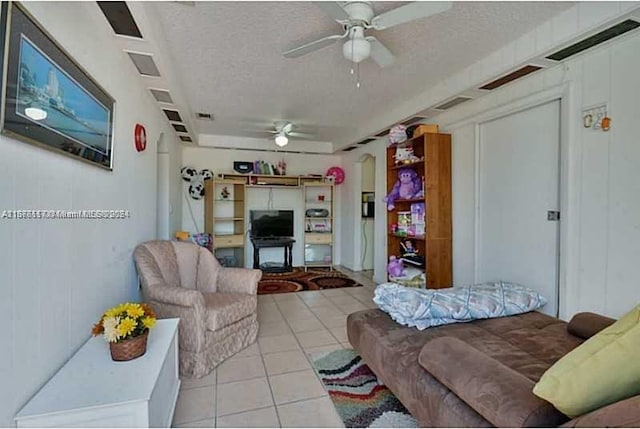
<point x="424" y="308"/>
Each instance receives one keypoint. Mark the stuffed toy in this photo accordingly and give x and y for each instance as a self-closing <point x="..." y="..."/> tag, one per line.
<point x="395" y="268"/>
<point x="196" y="180"/>
<point x="408" y="186"/>
<point x="405" y="155"/>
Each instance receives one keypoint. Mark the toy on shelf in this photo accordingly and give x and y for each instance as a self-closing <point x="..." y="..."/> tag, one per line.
<point x="410" y="254"/>
<point x="404" y="155"/>
<point x="395" y="268"/>
<point x="407" y="187"/>
<point x="397" y="134"/>
<point x="281" y="167"/>
<point x="224" y="193"/>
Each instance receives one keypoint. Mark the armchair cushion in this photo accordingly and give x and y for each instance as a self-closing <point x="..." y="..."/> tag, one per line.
<point x="238" y="280"/>
<point x="223" y="309"/>
<point x="208" y="270"/>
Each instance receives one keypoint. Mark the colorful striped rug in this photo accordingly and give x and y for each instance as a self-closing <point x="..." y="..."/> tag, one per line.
<point x="360" y="399"/>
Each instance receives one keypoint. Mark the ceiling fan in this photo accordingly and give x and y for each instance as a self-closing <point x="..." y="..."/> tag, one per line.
<point x="358" y="16"/>
<point x="285" y="129"/>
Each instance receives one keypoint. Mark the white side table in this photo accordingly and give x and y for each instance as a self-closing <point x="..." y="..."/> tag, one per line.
<point x="91" y="390"/>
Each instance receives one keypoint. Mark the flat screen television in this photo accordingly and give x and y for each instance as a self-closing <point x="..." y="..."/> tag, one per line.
<point x="271" y="223"/>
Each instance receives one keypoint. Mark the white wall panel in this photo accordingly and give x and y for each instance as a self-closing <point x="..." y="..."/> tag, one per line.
<point x="606" y="198"/>
<point x="58" y="276"/>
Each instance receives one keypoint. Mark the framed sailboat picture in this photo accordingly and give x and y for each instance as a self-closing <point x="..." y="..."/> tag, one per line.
<point x="50" y="100"/>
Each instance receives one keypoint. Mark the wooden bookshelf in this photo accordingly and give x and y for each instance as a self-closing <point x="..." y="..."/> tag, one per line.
<point x="435" y="245"/>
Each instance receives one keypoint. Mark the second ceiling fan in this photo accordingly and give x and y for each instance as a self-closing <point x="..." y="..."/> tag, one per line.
<point x="358" y="16"/>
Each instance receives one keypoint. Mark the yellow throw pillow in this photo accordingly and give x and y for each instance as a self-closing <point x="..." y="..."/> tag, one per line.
<point x="602" y="370"/>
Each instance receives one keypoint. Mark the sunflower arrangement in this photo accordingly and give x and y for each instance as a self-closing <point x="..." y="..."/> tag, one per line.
<point x="125" y="321"/>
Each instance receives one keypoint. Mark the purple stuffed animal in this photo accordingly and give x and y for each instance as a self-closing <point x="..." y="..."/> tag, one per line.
<point x="395" y="268"/>
<point x="408" y="186"/>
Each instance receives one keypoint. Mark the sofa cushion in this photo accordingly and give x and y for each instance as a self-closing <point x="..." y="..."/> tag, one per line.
<point x="622" y="414"/>
<point x="223" y="309"/>
<point x="586" y="325"/>
<point x="495" y="391"/>
<point x="603" y="370"/>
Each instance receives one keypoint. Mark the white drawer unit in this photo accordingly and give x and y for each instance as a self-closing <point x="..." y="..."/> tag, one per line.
<point x="91" y="390"/>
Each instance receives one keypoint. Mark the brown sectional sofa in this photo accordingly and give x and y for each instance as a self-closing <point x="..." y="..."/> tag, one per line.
<point x="480" y="374"/>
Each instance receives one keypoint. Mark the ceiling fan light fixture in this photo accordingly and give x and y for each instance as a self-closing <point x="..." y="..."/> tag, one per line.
<point x="356" y="50"/>
<point x="281" y="140"/>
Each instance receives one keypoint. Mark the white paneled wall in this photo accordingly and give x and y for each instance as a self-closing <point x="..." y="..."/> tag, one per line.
<point x="606" y="199"/>
<point x="221" y="161"/>
<point x="57" y="276"/>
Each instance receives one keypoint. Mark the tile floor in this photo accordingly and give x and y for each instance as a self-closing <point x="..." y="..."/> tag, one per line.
<point x="271" y="383"/>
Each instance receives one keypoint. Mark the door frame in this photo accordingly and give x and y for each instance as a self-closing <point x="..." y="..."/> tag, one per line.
<point x="569" y="186"/>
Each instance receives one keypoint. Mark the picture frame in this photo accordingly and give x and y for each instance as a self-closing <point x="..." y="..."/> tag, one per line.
<point x="48" y="99"/>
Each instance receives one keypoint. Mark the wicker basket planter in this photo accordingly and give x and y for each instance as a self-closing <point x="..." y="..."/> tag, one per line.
<point x="129" y="349"/>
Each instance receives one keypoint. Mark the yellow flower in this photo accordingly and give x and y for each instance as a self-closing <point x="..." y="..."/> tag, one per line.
<point x="110" y="329"/>
<point x="134" y="310"/>
<point x="126" y="327"/>
<point x="149" y="322"/>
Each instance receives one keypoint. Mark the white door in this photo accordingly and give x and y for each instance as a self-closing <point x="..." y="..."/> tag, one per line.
<point x="519" y="173"/>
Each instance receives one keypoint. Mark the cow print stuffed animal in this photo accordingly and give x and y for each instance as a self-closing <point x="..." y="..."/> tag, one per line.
<point x="196" y="180"/>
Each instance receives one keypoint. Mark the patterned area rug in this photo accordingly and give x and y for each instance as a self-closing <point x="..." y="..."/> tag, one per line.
<point x="299" y="280"/>
<point x="360" y="399"/>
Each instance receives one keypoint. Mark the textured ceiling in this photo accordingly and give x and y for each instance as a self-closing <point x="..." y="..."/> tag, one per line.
<point x="228" y="57"/>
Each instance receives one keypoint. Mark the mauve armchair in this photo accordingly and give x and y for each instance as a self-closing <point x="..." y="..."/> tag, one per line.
<point x="217" y="306"/>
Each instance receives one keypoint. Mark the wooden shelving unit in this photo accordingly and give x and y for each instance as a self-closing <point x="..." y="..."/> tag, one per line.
<point x="318" y="236"/>
<point x="271" y="181"/>
<point x="224" y="219"/>
<point x="435" y="245"/>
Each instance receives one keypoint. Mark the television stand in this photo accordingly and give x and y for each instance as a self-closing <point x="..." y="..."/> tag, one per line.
<point x="286" y="242"/>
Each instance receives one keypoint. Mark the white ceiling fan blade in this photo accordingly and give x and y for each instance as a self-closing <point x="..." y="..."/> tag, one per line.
<point x="333" y="9"/>
<point x="409" y="12"/>
<point x="300" y="135"/>
<point x="313" y="46"/>
<point x="379" y="53"/>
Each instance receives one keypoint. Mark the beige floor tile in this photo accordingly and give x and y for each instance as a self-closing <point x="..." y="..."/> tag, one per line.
<point x="315" y="338"/>
<point x="347" y="345"/>
<point x="299" y="315"/>
<point x="312" y="413"/>
<point x="190" y="383"/>
<point x="263" y="418"/>
<point x="240" y="369"/>
<point x="334" y="321"/>
<point x="343" y="300"/>
<point x="269" y="316"/>
<point x="195" y="404"/>
<point x="348" y="309"/>
<point x="321" y="312"/>
<point x="243" y="396"/>
<point x="306" y="325"/>
<point x="309" y="295"/>
<point x="251" y="350"/>
<point x="273" y="328"/>
<point x="285" y="297"/>
<point x="279" y="343"/>
<point x="296" y="386"/>
<point x="321" y="301"/>
<point x="279" y="363"/>
<point x="265" y="298"/>
<point x="334" y="292"/>
<point x="340" y="333"/>
<point x="317" y="352"/>
<point x="207" y="423"/>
